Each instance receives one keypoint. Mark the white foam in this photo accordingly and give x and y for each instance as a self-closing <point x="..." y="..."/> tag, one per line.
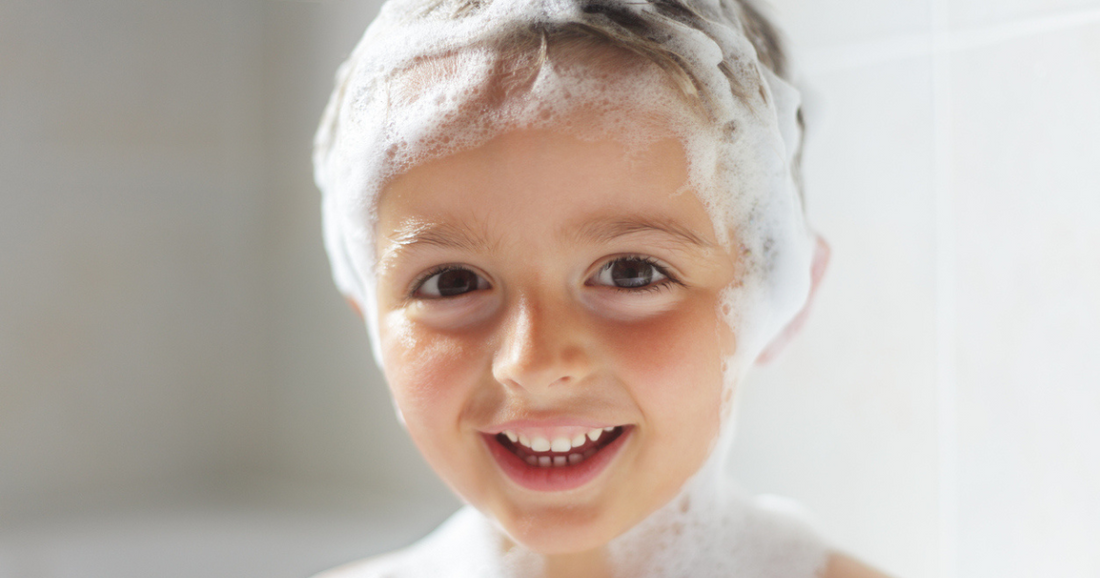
<point x="422" y="85"/>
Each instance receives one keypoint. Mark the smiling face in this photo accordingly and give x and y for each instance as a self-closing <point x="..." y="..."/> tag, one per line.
<point x="547" y="290"/>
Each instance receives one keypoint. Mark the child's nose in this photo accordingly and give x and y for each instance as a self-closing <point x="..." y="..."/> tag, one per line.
<point x="542" y="345"/>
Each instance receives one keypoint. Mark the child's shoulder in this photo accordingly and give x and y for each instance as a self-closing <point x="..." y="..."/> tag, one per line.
<point x="844" y="566"/>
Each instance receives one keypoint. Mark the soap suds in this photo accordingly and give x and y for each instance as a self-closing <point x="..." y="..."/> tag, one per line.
<point x="434" y="77"/>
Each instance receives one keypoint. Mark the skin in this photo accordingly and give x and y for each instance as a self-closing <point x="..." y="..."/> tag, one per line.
<point x="541" y="330"/>
<point x="543" y="213"/>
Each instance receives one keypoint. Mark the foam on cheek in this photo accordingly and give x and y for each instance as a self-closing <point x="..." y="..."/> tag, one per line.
<point x="423" y="87"/>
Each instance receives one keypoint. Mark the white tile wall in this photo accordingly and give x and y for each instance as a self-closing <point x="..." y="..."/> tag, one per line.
<point x="1022" y="267"/>
<point x="1026" y="183"/>
<point x="815" y="25"/>
<point x="846" y="421"/>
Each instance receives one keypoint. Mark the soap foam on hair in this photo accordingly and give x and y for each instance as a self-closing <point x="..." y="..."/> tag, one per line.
<point x="423" y="84"/>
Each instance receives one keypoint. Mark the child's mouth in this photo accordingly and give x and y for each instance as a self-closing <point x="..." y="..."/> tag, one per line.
<point x="541" y="452"/>
<point x="539" y="463"/>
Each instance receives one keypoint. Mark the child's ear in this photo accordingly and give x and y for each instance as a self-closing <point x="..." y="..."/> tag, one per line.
<point x="354" y="305"/>
<point x="817" y="271"/>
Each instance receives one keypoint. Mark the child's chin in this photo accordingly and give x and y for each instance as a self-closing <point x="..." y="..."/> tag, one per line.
<point x="561" y="533"/>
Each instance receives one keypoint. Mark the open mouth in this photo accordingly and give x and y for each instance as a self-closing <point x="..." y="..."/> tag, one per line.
<point x="541" y="452"/>
<point x="540" y="463"/>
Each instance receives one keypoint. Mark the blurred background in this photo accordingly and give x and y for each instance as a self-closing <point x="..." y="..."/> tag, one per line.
<point x="183" y="393"/>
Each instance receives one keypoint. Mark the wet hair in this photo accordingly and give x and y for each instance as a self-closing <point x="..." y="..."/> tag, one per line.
<point x="608" y="25"/>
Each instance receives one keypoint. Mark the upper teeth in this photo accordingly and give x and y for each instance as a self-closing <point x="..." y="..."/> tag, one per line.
<point x="560" y="444"/>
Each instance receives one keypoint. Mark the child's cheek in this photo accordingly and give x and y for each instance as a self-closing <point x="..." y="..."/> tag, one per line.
<point x="429" y="372"/>
<point x="672" y="362"/>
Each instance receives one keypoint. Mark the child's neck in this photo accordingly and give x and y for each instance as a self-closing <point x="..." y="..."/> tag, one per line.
<point x="519" y="561"/>
<point x="591" y="564"/>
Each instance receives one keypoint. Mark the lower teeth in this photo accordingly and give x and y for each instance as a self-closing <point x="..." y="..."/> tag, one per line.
<point x="558" y="461"/>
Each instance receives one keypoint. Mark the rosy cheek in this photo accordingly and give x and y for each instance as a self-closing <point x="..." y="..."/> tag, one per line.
<point x="673" y="362"/>
<point x="429" y="372"/>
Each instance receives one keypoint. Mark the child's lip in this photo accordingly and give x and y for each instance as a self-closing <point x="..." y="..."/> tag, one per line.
<point x="533" y="424"/>
<point x="558" y="477"/>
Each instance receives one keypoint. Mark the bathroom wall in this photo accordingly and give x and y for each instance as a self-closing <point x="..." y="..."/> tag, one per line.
<point x="334" y="423"/>
<point x="940" y="413"/>
<point x="168" y="332"/>
<point x="130" y="257"/>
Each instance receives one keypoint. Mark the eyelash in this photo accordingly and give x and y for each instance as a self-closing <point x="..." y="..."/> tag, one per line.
<point x="421" y="280"/>
<point x="663" y="285"/>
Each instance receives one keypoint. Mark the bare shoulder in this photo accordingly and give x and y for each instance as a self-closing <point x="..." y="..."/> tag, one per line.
<point x="844" y="566"/>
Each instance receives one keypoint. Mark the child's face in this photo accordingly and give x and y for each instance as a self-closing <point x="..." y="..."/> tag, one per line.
<point x="544" y="286"/>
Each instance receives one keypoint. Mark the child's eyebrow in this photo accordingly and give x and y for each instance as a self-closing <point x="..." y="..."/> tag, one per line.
<point x="605" y="230"/>
<point x="412" y="234"/>
<point x="438" y="234"/>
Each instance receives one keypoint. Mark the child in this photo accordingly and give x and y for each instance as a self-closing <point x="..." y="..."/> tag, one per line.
<point x="572" y="227"/>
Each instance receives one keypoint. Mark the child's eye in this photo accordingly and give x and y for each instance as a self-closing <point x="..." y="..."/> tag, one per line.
<point x="630" y="273"/>
<point x="449" y="281"/>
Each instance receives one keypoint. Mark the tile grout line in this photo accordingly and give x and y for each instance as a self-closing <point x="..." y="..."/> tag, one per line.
<point x="947" y="438"/>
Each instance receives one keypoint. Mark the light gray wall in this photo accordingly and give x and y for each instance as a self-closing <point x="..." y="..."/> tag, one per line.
<point x="167" y="322"/>
<point x="334" y="423"/>
<point x="130" y="188"/>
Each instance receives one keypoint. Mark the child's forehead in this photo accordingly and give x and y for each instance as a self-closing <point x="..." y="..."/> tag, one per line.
<point x="564" y="189"/>
<point x="559" y="157"/>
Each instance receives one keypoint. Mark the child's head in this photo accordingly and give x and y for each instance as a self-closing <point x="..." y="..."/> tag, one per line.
<point x="560" y="217"/>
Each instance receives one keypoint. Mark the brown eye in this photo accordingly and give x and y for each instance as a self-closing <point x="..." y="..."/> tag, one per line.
<point x="451" y="283"/>
<point x="629" y="273"/>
